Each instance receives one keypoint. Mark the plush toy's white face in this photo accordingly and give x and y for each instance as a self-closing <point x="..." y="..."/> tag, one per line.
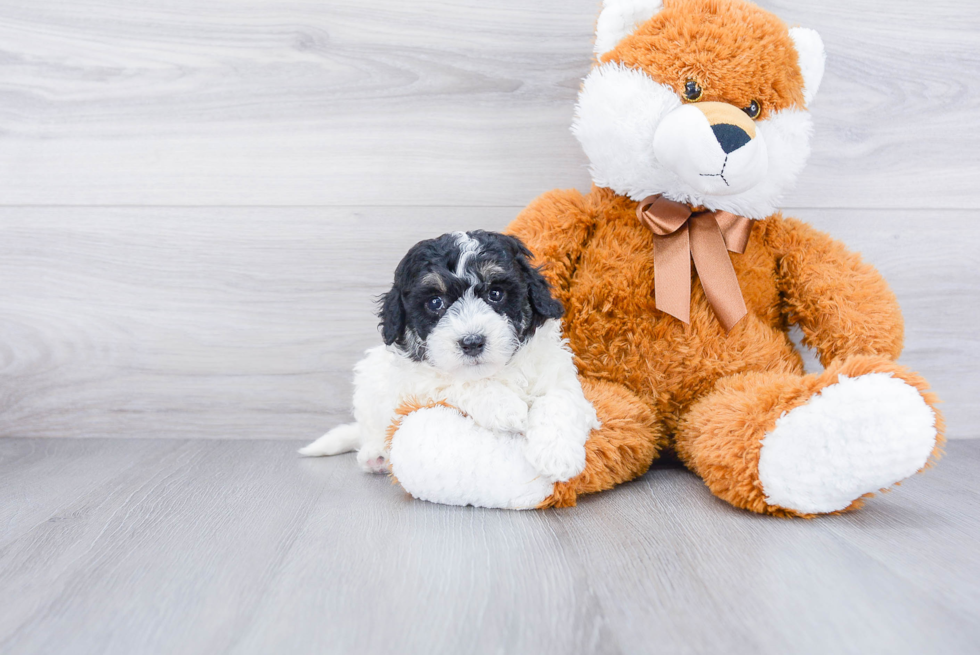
<point x="710" y="125"/>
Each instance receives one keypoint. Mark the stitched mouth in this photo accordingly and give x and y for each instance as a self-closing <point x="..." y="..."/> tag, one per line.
<point x="720" y="174"/>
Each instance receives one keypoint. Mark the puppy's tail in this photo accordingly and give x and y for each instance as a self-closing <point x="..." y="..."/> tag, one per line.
<point x="342" y="439"/>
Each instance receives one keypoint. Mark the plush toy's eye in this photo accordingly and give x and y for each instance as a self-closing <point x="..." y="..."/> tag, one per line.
<point x="495" y="295"/>
<point x="692" y="91"/>
<point x="753" y="110"/>
<point x="435" y="305"/>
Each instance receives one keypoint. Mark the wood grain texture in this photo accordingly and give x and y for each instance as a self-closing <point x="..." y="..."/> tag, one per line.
<point x="195" y="322"/>
<point x="231" y="323"/>
<point x="244" y="322"/>
<point x="382" y="102"/>
<point x="241" y="547"/>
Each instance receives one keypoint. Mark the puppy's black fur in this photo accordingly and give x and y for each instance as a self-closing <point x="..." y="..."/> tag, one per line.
<point x="499" y="272"/>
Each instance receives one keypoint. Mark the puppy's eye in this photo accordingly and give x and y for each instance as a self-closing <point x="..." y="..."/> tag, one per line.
<point x="753" y="110"/>
<point x="692" y="91"/>
<point x="495" y="295"/>
<point x="435" y="305"/>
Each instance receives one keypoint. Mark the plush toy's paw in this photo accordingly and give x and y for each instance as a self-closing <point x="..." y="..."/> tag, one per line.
<point x="373" y="458"/>
<point x="855" y="437"/>
<point x="439" y="455"/>
<point x="553" y="455"/>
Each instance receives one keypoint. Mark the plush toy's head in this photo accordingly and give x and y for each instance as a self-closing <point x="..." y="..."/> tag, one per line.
<point x="703" y="101"/>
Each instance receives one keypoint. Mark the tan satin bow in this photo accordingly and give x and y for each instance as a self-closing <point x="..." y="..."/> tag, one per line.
<point x="706" y="237"/>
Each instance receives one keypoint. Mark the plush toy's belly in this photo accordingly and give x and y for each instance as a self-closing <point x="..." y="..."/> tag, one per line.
<point x="618" y="334"/>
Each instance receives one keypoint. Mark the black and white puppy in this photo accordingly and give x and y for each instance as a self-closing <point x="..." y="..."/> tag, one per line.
<point x="469" y="321"/>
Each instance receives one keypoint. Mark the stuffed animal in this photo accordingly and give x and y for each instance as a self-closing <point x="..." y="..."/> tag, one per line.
<point x="681" y="279"/>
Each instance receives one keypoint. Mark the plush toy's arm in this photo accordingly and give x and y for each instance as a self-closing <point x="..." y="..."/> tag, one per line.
<point x="555" y="226"/>
<point x="842" y="304"/>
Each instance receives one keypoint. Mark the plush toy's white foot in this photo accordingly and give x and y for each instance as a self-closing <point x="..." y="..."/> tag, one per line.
<point x="855" y="437"/>
<point x="439" y="455"/>
<point x="342" y="439"/>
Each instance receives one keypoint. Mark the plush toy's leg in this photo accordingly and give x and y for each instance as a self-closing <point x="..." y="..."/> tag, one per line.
<point x="629" y="440"/>
<point x="793" y="445"/>
<point x="440" y="455"/>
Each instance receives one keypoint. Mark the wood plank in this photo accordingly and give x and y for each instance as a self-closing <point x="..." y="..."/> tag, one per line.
<point x="244" y="323"/>
<point x="762" y="576"/>
<point x="228" y="323"/>
<point x="427" y="103"/>
<point x="933" y="567"/>
<point x="241" y="547"/>
<point x="142" y="543"/>
<point x="46" y="473"/>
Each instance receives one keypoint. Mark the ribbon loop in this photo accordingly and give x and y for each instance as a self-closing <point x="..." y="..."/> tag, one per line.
<point x="681" y="235"/>
<point x="662" y="216"/>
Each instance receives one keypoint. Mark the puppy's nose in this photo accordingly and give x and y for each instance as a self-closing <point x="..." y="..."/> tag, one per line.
<point x="730" y="137"/>
<point x="472" y="344"/>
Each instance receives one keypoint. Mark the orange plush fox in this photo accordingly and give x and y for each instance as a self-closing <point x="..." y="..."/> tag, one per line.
<point x="680" y="278"/>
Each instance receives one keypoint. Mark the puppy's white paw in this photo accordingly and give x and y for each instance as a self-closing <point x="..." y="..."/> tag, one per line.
<point x="499" y="412"/>
<point x="373" y="458"/>
<point x="558" y="459"/>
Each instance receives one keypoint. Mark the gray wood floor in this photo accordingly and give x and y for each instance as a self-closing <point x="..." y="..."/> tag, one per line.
<point x="200" y="546"/>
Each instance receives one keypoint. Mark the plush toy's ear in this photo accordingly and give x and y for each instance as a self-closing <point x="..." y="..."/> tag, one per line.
<point x="809" y="49"/>
<point x="619" y="18"/>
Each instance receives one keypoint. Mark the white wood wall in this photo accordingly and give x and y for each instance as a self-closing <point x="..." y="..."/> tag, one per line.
<point x="199" y="198"/>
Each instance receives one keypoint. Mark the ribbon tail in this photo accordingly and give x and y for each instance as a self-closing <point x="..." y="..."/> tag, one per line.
<point x="672" y="274"/>
<point x="714" y="266"/>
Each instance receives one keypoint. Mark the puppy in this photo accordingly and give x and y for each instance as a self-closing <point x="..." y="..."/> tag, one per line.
<point x="470" y="322"/>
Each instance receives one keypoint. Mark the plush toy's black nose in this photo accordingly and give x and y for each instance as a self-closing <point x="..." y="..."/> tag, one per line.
<point x="472" y="344"/>
<point x="730" y="137"/>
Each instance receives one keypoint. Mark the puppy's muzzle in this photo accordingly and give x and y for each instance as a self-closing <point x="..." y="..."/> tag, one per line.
<point x="472" y="344"/>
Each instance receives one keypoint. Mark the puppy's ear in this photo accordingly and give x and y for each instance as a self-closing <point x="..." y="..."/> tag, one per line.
<point x="545" y="305"/>
<point x="539" y="291"/>
<point x="392" y="316"/>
